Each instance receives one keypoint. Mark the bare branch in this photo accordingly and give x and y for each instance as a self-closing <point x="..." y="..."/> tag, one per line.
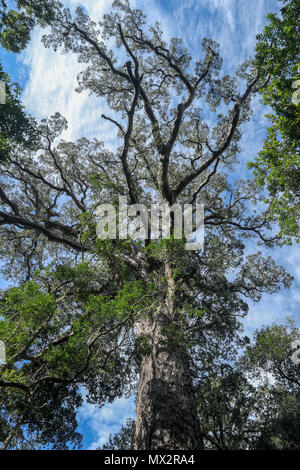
<point x="9" y="219"/>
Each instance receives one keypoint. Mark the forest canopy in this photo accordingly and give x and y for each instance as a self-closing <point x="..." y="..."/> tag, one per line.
<point x="147" y="318"/>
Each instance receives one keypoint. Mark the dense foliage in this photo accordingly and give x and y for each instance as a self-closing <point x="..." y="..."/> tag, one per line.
<point x="144" y="317"/>
<point x="278" y="163"/>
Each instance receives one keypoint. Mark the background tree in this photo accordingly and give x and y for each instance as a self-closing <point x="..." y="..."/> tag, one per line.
<point x="271" y="360"/>
<point x="247" y="392"/>
<point x="107" y="309"/>
<point x="19" y="17"/>
<point x="250" y="400"/>
<point x="124" y="439"/>
<point x="277" y="165"/>
<point x="25" y="421"/>
<point x="15" y="125"/>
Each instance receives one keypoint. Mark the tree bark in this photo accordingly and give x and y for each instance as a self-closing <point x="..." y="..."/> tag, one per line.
<point x="166" y="407"/>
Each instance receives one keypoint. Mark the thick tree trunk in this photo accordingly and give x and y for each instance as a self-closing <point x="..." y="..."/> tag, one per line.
<point x="166" y="409"/>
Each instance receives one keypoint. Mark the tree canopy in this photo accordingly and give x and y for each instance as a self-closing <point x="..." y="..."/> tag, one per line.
<point x="19" y="17"/>
<point x="16" y="127"/>
<point x="140" y="317"/>
<point x="278" y="164"/>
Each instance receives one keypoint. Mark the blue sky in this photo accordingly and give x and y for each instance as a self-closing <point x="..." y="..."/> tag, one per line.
<point x="49" y="80"/>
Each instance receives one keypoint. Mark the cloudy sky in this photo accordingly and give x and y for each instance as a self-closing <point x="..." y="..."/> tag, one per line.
<point x="49" y="80"/>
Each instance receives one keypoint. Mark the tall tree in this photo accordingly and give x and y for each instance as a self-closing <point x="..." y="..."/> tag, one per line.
<point x="112" y="308"/>
<point x="247" y="392"/>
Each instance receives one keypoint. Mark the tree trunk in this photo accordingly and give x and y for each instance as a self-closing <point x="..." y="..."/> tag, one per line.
<point x="166" y="408"/>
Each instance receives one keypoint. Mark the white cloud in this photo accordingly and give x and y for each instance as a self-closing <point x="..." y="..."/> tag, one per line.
<point x="226" y="8"/>
<point x="232" y="23"/>
<point x="53" y="79"/>
<point x="51" y="83"/>
<point x="276" y="307"/>
<point x="102" y="422"/>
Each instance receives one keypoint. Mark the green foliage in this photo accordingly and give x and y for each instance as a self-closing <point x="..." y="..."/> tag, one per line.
<point x="77" y="316"/>
<point x="47" y="348"/>
<point x="272" y="343"/>
<point x="175" y="338"/>
<point x="16" y="28"/>
<point x="30" y="323"/>
<point x="16" y="24"/>
<point x="15" y="126"/>
<point x="248" y="393"/>
<point x="271" y="357"/>
<point x="168" y="249"/>
<point x="142" y="347"/>
<point x="131" y="299"/>
<point x="100" y="181"/>
<point x="277" y="164"/>
<point x="273" y="348"/>
<point x="80" y="277"/>
<point x="24" y="310"/>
